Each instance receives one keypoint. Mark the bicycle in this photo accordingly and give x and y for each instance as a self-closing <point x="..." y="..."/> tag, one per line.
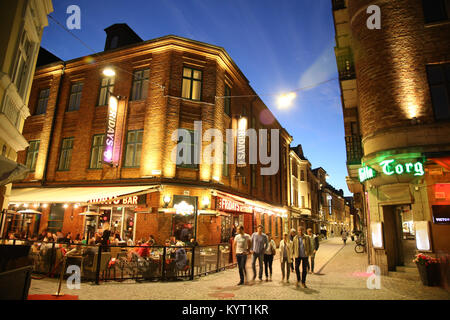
<point x="360" y="246"/>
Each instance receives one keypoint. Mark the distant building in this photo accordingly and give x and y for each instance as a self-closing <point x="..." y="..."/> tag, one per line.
<point x="22" y="23"/>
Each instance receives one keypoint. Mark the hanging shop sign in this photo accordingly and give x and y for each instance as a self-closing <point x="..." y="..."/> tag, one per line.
<point x="230" y="205"/>
<point x="441" y="214"/>
<point x="133" y="200"/>
<point x="111" y="129"/>
<point x="241" y="138"/>
<point x="390" y="167"/>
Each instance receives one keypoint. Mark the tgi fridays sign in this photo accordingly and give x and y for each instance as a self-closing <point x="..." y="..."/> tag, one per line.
<point x="133" y="200"/>
<point x="230" y="205"/>
<point x="111" y="129"/>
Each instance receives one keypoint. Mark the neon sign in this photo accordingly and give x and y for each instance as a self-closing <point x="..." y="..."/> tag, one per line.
<point x="389" y="168"/>
<point x="111" y="129"/>
<point x="366" y="173"/>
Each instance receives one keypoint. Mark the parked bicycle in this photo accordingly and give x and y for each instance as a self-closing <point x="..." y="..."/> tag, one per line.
<point x="360" y="246"/>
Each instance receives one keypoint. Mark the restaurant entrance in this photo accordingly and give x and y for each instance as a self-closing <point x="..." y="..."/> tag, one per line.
<point x="393" y="236"/>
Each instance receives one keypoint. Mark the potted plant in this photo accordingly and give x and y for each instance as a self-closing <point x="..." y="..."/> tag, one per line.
<point x="428" y="269"/>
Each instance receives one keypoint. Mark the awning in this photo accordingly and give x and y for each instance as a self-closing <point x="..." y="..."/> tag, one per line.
<point x="11" y="171"/>
<point x="75" y="194"/>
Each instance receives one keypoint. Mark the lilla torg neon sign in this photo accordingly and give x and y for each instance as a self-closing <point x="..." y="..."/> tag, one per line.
<point x="111" y="129"/>
<point x="390" y="168"/>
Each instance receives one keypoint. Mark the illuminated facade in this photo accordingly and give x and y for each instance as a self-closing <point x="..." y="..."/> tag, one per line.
<point x="395" y="95"/>
<point x="22" y="23"/>
<point x="161" y="85"/>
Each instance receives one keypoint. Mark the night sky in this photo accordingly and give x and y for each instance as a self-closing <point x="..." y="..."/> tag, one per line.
<point x="280" y="45"/>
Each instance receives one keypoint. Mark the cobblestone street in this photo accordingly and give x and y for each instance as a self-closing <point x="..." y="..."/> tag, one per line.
<point x="341" y="274"/>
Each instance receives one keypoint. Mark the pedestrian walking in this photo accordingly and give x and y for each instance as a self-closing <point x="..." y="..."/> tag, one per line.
<point x="268" y="257"/>
<point x="285" y="256"/>
<point x="315" y="246"/>
<point x="301" y="250"/>
<point x="344" y="237"/>
<point x="259" y="246"/>
<point x="291" y="237"/>
<point x="241" y="246"/>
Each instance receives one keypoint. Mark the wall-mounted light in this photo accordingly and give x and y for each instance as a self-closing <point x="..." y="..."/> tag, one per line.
<point x="166" y="200"/>
<point x="36" y="205"/>
<point x="65" y="206"/>
<point x="25" y="205"/>
<point x="76" y="206"/>
<point x="45" y="205"/>
<point x="109" y="72"/>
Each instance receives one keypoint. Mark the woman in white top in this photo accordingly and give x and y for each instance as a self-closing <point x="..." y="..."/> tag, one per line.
<point x="268" y="257"/>
<point x="285" y="256"/>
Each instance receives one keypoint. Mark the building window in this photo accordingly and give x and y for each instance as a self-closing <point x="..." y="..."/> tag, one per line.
<point x="42" y="101"/>
<point x="276" y="226"/>
<point x="23" y="64"/>
<point x="262" y="184"/>
<point x="227" y="100"/>
<point x="225" y="167"/>
<point x="75" y="96"/>
<point x="192" y="84"/>
<point x="189" y="156"/>
<point x="302" y="175"/>
<point x="140" y="84"/>
<point x="66" y="154"/>
<point x="32" y="154"/>
<point x="56" y="218"/>
<point x="270" y="225"/>
<point x="106" y="88"/>
<point x="98" y="146"/>
<point x="303" y="201"/>
<point x="439" y="82"/>
<point x="134" y="148"/>
<point x="436" y="10"/>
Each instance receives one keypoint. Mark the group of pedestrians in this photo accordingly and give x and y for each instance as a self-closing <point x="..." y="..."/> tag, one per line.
<point x="296" y="249"/>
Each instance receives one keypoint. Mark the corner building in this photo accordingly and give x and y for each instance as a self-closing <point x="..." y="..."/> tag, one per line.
<point x="162" y="85"/>
<point x="395" y="84"/>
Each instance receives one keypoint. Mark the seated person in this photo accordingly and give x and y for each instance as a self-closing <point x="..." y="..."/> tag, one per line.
<point x="143" y="251"/>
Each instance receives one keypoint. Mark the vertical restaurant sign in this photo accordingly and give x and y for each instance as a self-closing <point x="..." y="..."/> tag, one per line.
<point x="241" y="135"/>
<point x="110" y="129"/>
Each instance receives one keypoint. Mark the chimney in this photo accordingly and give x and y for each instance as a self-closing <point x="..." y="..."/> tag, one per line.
<point x="299" y="151"/>
<point x="119" y="35"/>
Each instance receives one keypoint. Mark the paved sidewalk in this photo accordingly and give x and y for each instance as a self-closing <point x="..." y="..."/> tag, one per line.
<point x="342" y="276"/>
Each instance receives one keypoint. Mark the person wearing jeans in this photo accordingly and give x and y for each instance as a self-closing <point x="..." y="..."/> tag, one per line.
<point x="241" y="245"/>
<point x="285" y="256"/>
<point x="259" y="246"/>
<point x="314" y="246"/>
<point x="268" y="257"/>
<point x="301" y="250"/>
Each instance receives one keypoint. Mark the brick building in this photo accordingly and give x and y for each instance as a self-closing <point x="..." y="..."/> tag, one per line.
<point x="395" y="84"/>
<point x="157" y="86"/>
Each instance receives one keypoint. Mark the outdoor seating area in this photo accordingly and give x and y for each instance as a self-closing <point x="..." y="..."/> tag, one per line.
<point x="119" y="262"/>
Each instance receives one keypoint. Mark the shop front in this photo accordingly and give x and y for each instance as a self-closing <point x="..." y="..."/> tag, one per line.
<point x="401" y="191"/>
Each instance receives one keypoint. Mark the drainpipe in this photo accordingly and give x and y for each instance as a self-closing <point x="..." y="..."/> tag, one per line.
<point x="44" y="178"/>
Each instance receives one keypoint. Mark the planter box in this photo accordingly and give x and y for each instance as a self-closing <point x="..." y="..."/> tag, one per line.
<point x="430" y="275"/>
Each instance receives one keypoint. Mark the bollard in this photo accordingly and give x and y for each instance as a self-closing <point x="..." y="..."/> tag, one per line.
<point x="192" y="264"/>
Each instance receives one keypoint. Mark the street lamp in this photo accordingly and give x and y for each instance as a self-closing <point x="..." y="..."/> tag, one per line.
<point x="285" y="100"/>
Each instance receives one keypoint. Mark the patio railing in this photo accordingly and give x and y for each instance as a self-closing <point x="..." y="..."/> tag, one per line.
<point x="98" y="263"/>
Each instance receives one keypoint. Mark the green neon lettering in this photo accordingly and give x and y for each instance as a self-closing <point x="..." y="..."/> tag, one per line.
<point x="399" y="169"/>
<point x="409" y="166"/>
<point x="386" y="168"/>
<point x="418" y="168"/>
